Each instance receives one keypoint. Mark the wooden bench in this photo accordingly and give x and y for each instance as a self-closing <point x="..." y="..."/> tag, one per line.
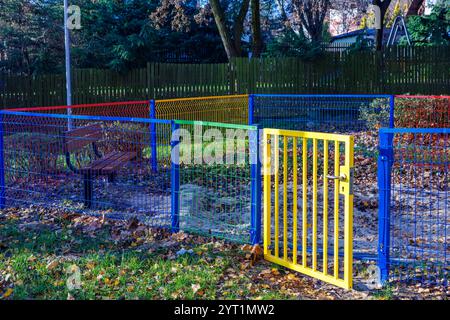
<point x="104" y="165"/>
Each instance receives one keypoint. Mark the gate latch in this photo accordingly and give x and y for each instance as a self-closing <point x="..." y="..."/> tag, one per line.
<point x="341" y="177"/>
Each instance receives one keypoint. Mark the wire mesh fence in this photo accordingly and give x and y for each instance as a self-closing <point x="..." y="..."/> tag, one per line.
<point x="358" y="115"/>
<point x="225" y="109"/>
<point x="414" y="225"/>
<point x="322" y="113"/>
<point x="110" y="166"/>
<point x="422" y="111"/>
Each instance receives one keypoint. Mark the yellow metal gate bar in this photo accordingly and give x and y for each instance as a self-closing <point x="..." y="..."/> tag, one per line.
<point x="308" y="227"/>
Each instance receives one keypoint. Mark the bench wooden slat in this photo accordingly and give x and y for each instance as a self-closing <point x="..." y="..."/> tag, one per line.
<point x="82" y="131"/>
<point x="81" y="137"/>
<point x="98" y="164"/>
<point x="124" y="158"/>
<point x="110" y="163"/>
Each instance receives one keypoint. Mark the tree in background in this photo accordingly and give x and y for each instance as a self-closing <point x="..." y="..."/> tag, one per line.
<point x="115" y="34"/>
<point x="311" y="16"/>
<point x="384" y="6"/>
<point x="303" y="28"/>
<point x="432" y="29"/>
<point x="31" y="36"/>
<point x="397" y="11"/>
<point x="229" y="18"/>
<point x="347" y="15"/>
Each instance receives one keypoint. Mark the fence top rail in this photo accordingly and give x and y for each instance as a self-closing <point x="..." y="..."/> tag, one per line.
<point x="216" y="124"/>
<point x="309" y="135"/>
<point x="415" y="130"/>
<point x="410" y="96"/>
<point x="324" y="95"/>
<point x="79" y="117"/>
<point x="75" y="106"/>
<point x="202" y="98"/>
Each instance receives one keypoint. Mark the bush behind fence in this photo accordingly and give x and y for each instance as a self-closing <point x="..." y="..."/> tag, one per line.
<point x="413" y="70"/>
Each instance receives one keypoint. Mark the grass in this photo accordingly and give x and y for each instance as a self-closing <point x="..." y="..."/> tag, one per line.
<point x="52" y="254"/>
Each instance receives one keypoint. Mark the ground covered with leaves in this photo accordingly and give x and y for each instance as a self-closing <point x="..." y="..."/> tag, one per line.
<point x="47" y="254"/>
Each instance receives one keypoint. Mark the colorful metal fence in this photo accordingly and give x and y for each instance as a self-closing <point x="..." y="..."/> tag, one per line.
<point x="218" y="188"/>
<point x="128" y="109"/>
<point x="224" y="109"/>
<point x="105" y="166"/>
<point x="311" y="193"/>
<point x="322" y="113"/>
<point x="413" y="177"/>
<point x="101" y="166"/>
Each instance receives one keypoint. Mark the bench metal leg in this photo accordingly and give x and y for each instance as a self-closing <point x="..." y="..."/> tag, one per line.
<point x="87" y="179"/>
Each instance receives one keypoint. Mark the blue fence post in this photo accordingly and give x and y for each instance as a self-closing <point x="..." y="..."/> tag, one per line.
<point x="392" y="111"/>
<point x="153" y="143"/>
<point x="385" y="161"/>
<point x="251" y="100"/>
<point x="2" y="168"/>
<point x="255" y="174"/>
<point x="175" y="178"/>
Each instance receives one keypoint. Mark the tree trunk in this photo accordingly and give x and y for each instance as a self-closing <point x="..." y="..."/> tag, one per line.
<point x="219" y="18"/>
<point x="414" y="7"/>
<point x="256" y="28"/>
<point x="383" y="5"/>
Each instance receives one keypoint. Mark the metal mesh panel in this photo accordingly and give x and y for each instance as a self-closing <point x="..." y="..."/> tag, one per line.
<point x="322" y="113"/>
<point x="129" y="109"/>
<point x="215" y="179"/>
<point x="422" y="111"/>
<point x="100" y="166"/>
<point x="226" y="109"/>
<point x="420" y="206"/>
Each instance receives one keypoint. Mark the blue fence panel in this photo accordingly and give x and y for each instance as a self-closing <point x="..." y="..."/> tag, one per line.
<point x="414" y="208"/>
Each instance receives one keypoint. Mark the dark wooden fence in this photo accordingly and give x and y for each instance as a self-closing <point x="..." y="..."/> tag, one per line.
<point x="397" y="70"/>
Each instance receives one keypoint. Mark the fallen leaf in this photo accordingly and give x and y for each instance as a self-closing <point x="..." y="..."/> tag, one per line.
<point x="8" y="292"/>
<point x="256" y="254"/>
<point x="52" y="265"/>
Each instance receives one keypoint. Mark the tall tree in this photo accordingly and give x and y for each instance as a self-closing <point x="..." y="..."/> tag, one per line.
<point x="256" y="28"/>
<point x="228" y="20"/>
<point x="345" y="14"/>
<point x="414" y="7"/>
<point x="31" y="37"/>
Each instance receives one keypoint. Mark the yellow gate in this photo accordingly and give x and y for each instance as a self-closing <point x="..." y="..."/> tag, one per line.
<point x="308" y="203"/>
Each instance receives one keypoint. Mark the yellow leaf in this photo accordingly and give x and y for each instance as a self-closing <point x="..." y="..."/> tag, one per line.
<point x="291" y="276"/>
<point x="130" y="288"/>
